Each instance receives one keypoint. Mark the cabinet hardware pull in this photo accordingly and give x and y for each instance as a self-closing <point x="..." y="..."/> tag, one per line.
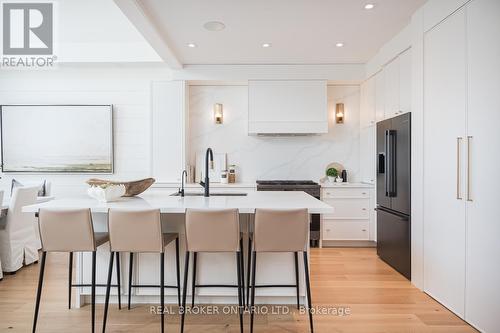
<point x="363" y="229"/>
<point x="363" y="208"/>
<point x="459" y="195"/>
<point x="468" y="168"/>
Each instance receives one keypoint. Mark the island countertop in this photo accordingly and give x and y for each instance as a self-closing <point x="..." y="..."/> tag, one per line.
<point x="167" y="203"/>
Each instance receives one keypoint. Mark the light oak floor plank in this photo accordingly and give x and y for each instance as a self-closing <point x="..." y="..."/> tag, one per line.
<point x="379" y="299"/>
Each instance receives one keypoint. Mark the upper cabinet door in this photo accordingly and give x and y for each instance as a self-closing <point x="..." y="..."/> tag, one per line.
<point x="379" y="96"/>
<point x="405" y="81"/>
<point x="483" y="213"/>
<point x="444" y="163"/>
<point x="367" y="101"/>
<point x="168" y="127"/>
<point x="391" y="89"/>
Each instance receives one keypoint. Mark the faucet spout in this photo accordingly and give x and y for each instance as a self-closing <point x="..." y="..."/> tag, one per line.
<point x="209" y="160"/>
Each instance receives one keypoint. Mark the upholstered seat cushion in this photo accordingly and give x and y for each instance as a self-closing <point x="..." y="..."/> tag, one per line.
<point x="101" y="238"/>
<point x="169" y="237"/>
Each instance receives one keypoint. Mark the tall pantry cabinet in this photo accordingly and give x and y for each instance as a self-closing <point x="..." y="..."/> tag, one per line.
<point x="461" y="163"/>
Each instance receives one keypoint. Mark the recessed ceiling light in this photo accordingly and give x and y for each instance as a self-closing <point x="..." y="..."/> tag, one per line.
<point x="192" y="45"/>
<point x="214" y="26"/>
<point x="369" y="6"/>
<point x="266" y="45"/>
<point x="339" y="45"/>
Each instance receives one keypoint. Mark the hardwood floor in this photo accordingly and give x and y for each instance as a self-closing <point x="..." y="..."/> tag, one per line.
<point x="378" y="298"/>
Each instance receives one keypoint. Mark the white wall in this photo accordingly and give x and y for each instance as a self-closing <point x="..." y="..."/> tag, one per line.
<point x="272" y="157"/>
<point x="128" y="89"/>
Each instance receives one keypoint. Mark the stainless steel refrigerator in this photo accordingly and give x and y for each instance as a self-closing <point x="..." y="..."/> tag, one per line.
<point x="393" y="192"/>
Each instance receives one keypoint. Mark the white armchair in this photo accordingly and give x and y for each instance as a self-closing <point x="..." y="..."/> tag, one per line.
<point x="18" y="242"/>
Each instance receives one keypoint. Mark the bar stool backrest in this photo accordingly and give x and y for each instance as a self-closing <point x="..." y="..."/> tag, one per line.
<point x="212" y="230"/>
<point x="66" y="230"/>
<point x="281" y="230"/>
<point x="135" y="230"/>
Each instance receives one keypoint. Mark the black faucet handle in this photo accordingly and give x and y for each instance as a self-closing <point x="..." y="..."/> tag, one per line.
<point x="202" y="183"/>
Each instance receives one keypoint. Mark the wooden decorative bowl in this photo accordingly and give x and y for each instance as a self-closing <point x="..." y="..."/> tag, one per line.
<point x="132" y="188"/>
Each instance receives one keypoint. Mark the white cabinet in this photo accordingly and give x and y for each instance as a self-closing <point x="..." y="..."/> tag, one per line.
<point x="168" y="130"/>
<point x="482" y="298"/>
<point x="404" y="63"/>
<point x="461" y="214"/>
<point x="287" y="107"/>
<point x="444" y="214"/>
<point x="367" y="103"/>
<point x="391" y="89"/>
<point x="379" y="96"/>
<point x="353" y="216"/>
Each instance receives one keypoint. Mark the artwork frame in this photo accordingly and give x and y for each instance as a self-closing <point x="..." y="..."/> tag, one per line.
<point x="89" y="168"/>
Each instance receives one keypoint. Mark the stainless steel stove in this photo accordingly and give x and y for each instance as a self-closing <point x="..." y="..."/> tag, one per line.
<point x="307" y="186"/>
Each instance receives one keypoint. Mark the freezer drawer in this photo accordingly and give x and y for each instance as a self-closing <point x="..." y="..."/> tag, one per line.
<point x="393" y="241"/>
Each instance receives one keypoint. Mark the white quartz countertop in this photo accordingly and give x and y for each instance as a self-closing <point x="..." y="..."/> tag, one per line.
<point x="344" y="185"/>
<point x="172" y="204"/>
<point x="212" y="185"/>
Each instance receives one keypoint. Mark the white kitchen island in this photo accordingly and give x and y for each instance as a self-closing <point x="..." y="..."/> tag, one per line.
<point x="213" y="268"/>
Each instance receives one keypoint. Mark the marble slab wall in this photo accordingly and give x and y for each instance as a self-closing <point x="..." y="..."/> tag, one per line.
<point x="300" y="157"/>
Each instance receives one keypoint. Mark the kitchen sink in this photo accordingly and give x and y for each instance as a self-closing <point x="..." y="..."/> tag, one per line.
<point x="196" y="194"/>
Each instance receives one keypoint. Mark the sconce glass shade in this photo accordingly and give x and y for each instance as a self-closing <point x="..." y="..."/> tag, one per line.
<point x="218" y="113"/>
<point x="339" y="113"/>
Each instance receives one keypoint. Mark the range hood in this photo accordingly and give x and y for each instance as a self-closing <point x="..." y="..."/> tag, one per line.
<point x="292" y="107"/>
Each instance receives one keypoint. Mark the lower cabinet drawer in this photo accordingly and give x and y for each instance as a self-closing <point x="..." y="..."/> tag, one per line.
<point x="346" y="229"/>
<point x="348" y="208"/>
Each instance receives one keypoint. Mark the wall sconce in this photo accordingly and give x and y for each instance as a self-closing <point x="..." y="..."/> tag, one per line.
<point x="339" y="113"/>
<point x="218" y="113"/>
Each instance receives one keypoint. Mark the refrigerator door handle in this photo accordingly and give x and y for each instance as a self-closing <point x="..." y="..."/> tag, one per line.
<point x="387" y="163"/>
<point x="391" y="163"/>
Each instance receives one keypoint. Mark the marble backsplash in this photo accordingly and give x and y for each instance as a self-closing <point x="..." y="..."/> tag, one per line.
<point x="299" y="157"/>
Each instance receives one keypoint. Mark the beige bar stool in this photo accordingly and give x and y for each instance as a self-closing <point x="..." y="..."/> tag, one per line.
<point x="213" y="231"/>
<point x="69" y="230"/>
<point x="281" y="231"/>
<point x="139" y="231"/>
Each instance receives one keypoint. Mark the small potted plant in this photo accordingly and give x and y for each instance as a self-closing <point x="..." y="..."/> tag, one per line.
<point x="332" y="173"/>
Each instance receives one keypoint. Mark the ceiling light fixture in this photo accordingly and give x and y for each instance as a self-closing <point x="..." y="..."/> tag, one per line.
<point x="266" y="45"/>
<point x="214" y="26"/>
<point x="192" y="45"/>
<point x="369" y="6"/>
<point x="339" y="45"/>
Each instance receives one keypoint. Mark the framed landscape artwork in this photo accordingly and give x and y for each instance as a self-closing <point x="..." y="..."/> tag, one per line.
<point x="57" y="138"/>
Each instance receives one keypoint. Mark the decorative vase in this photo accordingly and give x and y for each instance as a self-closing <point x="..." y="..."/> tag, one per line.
<point x="331" y="179"/>
<point x="106" y="194"/>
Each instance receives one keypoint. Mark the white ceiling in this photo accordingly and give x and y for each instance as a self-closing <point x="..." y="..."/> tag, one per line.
<point x="300" y="31"/>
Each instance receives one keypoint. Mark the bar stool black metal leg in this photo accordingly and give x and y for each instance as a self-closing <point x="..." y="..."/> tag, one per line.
<point x="162" y="291"/>
<point x="252" y="304"/>
<point x="248" y="270"/>
<point x="130" y="267"/>
<point x="178" y="270"/>
<point x="70" y="278"/>
<point x="193" y="287"/>
<point x="296" y="257"/>
<point x="108" y="287"/>
<point x="240" y="295"/>
<point x="242" y="271"/>
<point x="118" y="280"/>
<point x="308" y="285"/>
<point x="39" y="290"/>
<point x="184" y="291"/>
<point x="93" y="290"/>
